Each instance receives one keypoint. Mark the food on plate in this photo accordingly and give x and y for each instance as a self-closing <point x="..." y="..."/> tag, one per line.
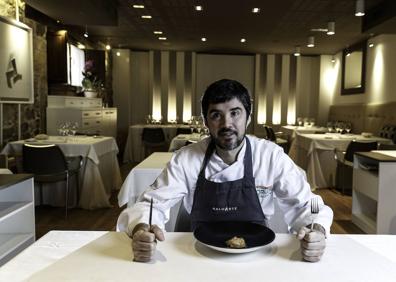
<point x="41" y="137"/>
<point x="236" y="243"/>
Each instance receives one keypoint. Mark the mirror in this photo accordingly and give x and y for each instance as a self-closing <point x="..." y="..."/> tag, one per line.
<point x="353" y="69"/>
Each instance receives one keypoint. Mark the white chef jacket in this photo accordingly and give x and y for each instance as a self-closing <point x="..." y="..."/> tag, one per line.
<point x="274" y="172"/>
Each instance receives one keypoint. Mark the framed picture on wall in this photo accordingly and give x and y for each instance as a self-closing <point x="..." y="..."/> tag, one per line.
<point x="16" y="62"/>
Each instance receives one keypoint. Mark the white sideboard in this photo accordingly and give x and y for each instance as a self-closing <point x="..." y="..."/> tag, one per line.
<point x="17" y="224"/>
<point x="87" y="112"/>
<point x="374" y="192"/>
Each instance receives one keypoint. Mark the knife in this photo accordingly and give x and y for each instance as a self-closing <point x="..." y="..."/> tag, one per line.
<point x="151" y="212"/>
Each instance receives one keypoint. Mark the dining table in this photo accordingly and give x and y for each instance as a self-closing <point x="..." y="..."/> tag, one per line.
<point x="315" y="154"/>
<point x="134" y="149"/>
<point x="141" y="177"/>
<point x="107" y="256"/>
<point x="99" y="173"/>
<point x="292" y="130"/>
<point x="182" y="139"/>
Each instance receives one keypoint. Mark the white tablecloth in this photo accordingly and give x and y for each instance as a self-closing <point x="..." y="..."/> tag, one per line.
<point x="292" y="130"/>
<point x="99" y="175"/>
<point x="141" y="177"/>
<point x="134" y="150"/>
<point x="314" y="153"/>
<point x="181" y="139"/>
<point x="107" y="256"/>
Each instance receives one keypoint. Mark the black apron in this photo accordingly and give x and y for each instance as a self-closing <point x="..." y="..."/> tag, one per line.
<point x="227" y="201"/>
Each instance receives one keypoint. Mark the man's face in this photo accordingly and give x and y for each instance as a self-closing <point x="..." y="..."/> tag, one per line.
<point x="227" y="123"/>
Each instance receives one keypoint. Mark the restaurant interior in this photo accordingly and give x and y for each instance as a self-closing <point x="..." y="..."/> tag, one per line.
<point x="97" y="95"/>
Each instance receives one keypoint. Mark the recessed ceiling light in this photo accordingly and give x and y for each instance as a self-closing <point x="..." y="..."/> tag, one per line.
<point x="348" y="54"/>
<point x="198" y="8"/>
<point x="371" y="45"/>
<point x="256" y="10"/>
<point x="118" y="54"/>
<point x="162" y="38"/>
<point x="57" y="21"/>
<point x="157" y="32"/>
<point x="243" y="40"/>
<point x="203" y="39"/>
<point x="138" y="6"/>
<point x="297" y="51"/>
<point x="311" y="42"/>
<point x="146" y="17"/>
<point x="330" y="28"/>
<point x="108" y="47"/>
<point x="359" y="9"/>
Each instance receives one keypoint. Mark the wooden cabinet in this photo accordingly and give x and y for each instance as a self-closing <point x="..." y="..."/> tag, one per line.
<point x="374" y="193"/>
<point x="87" y="112"/>
<point x="17" y="224"/>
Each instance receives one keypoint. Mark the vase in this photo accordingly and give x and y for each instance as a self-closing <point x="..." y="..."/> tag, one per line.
<point x="90" y="93"/>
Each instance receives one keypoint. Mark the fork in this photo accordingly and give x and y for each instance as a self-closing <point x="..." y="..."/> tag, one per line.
<point x="314" y="209"/>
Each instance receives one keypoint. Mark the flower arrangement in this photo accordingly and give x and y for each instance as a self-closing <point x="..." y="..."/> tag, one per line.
<point x="90" y="81"/>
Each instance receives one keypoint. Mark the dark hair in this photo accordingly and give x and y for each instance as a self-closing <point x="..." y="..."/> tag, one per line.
<point x="225" y="90"/>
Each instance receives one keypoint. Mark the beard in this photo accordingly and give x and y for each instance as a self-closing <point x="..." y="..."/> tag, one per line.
<point x="225" y="139"/>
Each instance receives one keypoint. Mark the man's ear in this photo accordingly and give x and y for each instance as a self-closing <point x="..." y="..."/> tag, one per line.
<point x="248" y="120"/>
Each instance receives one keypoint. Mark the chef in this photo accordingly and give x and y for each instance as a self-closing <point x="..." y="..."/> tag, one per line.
<point x="229" y="176"/>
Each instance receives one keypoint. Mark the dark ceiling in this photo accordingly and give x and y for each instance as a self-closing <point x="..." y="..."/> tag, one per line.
<point x="278" y="28"/>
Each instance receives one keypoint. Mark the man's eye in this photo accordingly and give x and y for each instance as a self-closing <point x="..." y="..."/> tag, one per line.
<point x="214" y="115"/>
<point x="235" y="113"/>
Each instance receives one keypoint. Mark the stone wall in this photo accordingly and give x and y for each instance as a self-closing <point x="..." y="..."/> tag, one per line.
<point x="32" y="115"/>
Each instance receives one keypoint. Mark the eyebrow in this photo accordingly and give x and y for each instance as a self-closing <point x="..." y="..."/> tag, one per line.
<point x="232" y="109"/>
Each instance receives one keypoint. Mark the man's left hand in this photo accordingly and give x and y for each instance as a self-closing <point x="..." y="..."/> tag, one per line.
<point x="313" y="243"/>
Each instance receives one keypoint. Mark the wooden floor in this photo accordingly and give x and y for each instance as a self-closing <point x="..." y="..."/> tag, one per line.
<point x="50" y="218"/>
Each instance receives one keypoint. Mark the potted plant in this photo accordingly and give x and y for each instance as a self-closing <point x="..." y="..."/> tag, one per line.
<point x="91" y="84"/>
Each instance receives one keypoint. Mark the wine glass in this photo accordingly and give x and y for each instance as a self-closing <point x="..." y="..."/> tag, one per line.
<point x="73" y="128"/>
<point x="348" y="127"/>
<point x="330" y="126"/>
<point x="300" y="121"/>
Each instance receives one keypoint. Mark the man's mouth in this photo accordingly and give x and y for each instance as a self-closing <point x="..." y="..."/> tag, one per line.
<point x="227" y="133"/>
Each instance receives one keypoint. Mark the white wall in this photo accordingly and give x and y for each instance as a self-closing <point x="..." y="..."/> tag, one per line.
<point x="380" y="75"/>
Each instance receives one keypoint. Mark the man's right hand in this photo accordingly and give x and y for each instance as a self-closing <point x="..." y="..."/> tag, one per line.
<point x="144" y="241"/>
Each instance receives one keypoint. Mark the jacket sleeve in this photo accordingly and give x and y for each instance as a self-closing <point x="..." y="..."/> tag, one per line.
<point x="294" y="194"/>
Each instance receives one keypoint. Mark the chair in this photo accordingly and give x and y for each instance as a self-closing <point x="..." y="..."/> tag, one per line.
<point x="49" y="165"/>
<point x="153" y="140"/>
<point x="272" y="136"/>
<point x="183" y="130"/>
<point x="344" y="169"/>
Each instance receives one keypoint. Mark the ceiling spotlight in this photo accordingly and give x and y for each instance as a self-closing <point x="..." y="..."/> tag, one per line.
<point x="243" y="40"/>
<point x="256" y="10"/>
<point x="203" y="39"/>
<point x="146" y="17"/>
<point x="108" y="47"/>
<point x="57" y="21"/>
<point x="138" y="6"/>
<point x="198" y="8"/>
<point x="86" y="32"/>
<point x="311" y="42"/>
<point x="297" y="51"/>
<point x="157" y="32"/>
<point x="330" y="28"/>
<point x="371" y="45"/>
<point x="162" y="38"/>
<point x="118" y="54"/>
<point x="359" y="10"/>
<point x="348" y="54"/>
<point x="332" y="59"/>
<point x="80" y="46"/>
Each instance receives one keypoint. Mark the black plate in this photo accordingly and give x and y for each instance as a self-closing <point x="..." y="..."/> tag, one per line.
<point x="217" y="233"/>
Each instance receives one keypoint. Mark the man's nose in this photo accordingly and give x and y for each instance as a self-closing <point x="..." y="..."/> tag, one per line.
<point x="227" y="121"/>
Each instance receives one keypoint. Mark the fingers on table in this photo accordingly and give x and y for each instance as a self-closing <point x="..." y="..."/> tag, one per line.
<point x="159" y="234"/>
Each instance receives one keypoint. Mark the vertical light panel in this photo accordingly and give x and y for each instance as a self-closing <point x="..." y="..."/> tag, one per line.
<point x="164" y="84"/>
<point x="276" y="108"/>
<point x="172" y="87"/>
<point x="156" y="84"/>
<point x="291" y="104"/>
<point x="179" y="86"/>
<point x="261" y="88"/>
<point x="269" y="89"/>
<point x="284" y="97"/>
<point x="377" y="77"/>
<point x="187" y="97"/>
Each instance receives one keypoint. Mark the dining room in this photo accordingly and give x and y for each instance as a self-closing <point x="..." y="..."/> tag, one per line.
<point x="102" y="108"/>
